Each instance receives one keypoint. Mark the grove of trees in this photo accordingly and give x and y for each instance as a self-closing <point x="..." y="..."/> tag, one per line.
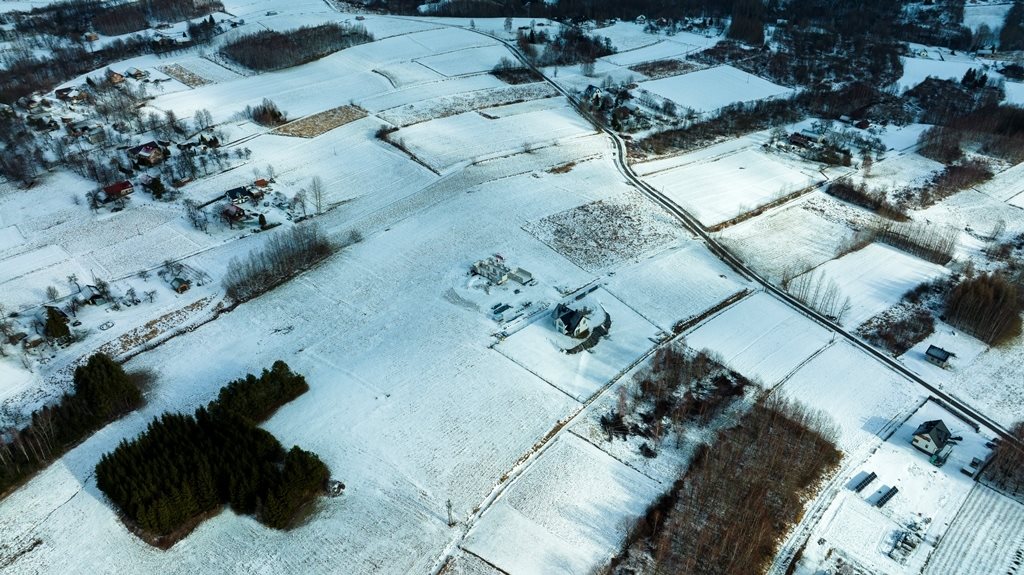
<point x="102" y="392"/>
<point x="272" y="50"/>
<point x="284" y="255"/>
<point x="184" y="467"/>
<point x="988" y="306"/>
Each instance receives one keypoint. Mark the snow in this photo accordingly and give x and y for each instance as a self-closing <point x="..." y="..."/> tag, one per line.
<point x="567" y="514"/>
<point x="861" y="396"/>
<point x="720" y="188"/>
<point x="761" y="338"/>
<point x="875" y="278"/>
<point x="991" y="15"/>
<point x="708" y="90"/>
<point x="674" y="285"/>
<point x="10" y="238"/>
<point x="1014" y="93"/>
<point x="787" y="241"/>
<point x="986" y="537"/>
<point x="993" y="382"/>
<point x="538" y="347"/>
<point x="915" y="70"/>
<point x="929" y="500"/>
<point x="468" y="61"/>
<point x="662" y="50"/>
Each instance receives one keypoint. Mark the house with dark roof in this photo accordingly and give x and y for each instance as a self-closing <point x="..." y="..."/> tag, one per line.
<point x="571" y="322"/>
<point x="233" y="213"/>
<point x="938" y="356"/>
<point x="931" y="436"/>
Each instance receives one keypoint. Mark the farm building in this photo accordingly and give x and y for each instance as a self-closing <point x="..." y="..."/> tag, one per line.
<point x="180" y="285"/>
<point x="937" y="356"/>
<point x="136" y="73"/>
<point x="931" y="436"/>
<point x="571" y="322"/>
<point x="520" y="276"/>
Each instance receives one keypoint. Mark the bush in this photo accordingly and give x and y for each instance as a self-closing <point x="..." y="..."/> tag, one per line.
<point x="988" y="306"/>
<point x="860" y="195"/>
<point x="266" y="113"/>
<point x="271" y="50"/>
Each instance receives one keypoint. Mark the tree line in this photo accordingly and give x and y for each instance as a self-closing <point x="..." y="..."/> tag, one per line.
<point x="284" y="255"/>
<point x="740" y="495"/>
<point x="271" y="50"/>
<point x="185" y="467"/>
<point x="988" y="306"/>
<point x="102" y="392"/>
<point x="1006" y="470"/>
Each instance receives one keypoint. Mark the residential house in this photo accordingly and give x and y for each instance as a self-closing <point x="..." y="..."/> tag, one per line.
<point x="931" y="436"/>
<point x="136" y="73"/>
<point x="233" y="213"/>
<point x="571" y="322"/>
<point x="237" y="195"/>
<point x="117" y="191"/>
<point x="938" y="356"/>
<point x="69" y="94"/>
<point x="180" y="285"/>
<point x="148" y="154"/>
<point x="113" y="77"/>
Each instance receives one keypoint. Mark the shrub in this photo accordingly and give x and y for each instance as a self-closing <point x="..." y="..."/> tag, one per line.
<point x="266" y="113"/>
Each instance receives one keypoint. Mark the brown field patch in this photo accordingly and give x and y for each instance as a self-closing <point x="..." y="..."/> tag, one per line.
<point x="184" y="76"/>
<point x="322" y="122"/>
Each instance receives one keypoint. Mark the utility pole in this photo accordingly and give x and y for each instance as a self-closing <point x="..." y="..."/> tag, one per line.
<point x="451" y="520"/>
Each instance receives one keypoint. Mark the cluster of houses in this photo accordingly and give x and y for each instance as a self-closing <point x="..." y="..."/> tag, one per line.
<point x="232" y="210"/>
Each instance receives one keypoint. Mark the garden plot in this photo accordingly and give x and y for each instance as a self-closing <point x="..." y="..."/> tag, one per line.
<point x="916" y="70"/>
<point x="708" y="90"/>
<point x="927" y="501"/>
<point x="874" y="278"/>
<point x="660" y="51"/>
<point x="788" y="241"/>
<point x="320" y="123"/>
<point x="444" y="106"/>
<point x="468" y="61"/>
<point x="187" y="77"/>
<point x="986" y="537"/>
<point x="862" y="396"/>
<point x="447" y="142"/>
<point x="606" y="233"/>
<point x="567" y="514"/>
<point x="674" y="285"/>
<point x="718" y="190"/>
<point x="761" y="338"/>
<point x="539" y="347"/>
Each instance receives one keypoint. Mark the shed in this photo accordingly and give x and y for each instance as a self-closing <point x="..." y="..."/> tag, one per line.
<point x="520" y="276"/>
<point x="931" y="436"/>
<point x="180" y="285"/>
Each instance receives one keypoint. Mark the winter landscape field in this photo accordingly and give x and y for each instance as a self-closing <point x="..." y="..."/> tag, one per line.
<point x="538" y="275"/>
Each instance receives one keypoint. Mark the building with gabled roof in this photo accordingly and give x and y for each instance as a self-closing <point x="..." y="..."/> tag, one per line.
<point x="931" y="436"/>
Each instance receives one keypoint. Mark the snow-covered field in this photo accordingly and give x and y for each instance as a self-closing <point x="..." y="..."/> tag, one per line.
<point x="991" y="15"/>
<point x="875" y="278"/>
<point x="986" y="537"/>
<point x="661" y="50"/>
<point x="708" y="90"/>
<point x="761" y="338"/>
<point x="787" y="241"/>
<point x="718" y="189"/>
<point x="468" y="61"/>
<point x="915" y="70"/>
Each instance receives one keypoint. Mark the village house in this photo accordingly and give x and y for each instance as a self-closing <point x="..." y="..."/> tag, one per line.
<point x="233" y="213"/>
<point x="136" y="73"/>
<point x="113" y="77"/>
<point x="937" y="356"/>
<point x="931" y="436"/>
<point x="70" y="94"/>
<point x="571" y="322"/>
<point x="117" y="191"/>
<point x="148" y="154"/>
<point x="180" y="285"/>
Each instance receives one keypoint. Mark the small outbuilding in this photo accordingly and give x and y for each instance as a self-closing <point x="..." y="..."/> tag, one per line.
<point x="931" y="436"/>
<point x="520" y="276"/>
<point x="180" y="285"/>
<point x="938" y="356"/>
